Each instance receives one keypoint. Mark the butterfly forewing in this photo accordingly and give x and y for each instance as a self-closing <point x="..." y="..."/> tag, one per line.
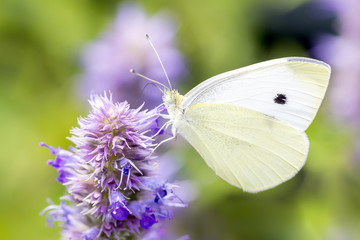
<point x="288" y="89"/>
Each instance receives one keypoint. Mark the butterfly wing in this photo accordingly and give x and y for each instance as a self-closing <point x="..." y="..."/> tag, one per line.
<point x="288" y="89"/>
<point x="246" y="148"/>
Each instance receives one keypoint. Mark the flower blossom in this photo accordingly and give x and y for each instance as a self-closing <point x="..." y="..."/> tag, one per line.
<point x="106" y="62"/>
<point x="114" y="189"/>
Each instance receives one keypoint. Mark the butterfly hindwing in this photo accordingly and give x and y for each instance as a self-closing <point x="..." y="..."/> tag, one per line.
<point x="246" y="148"/>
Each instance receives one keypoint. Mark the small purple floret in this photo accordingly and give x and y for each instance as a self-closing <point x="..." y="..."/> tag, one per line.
<point x="118" y="211"/>
<point x="160" y="194"/>
<point x="147" y="221"/>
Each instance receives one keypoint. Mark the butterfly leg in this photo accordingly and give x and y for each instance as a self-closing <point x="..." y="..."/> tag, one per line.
<point x="165" y="116"/>
<point x="163" y="127"/>
<point x="163" y="141"/>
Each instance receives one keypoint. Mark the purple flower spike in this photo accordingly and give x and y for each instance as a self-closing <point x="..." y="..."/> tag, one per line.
<point x="112" y="191"/>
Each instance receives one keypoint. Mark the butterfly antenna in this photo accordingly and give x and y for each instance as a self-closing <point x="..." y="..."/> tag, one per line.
<point x="154" y="86"/>
<point x="149" y="79"/>
<point x="153" y="47"/>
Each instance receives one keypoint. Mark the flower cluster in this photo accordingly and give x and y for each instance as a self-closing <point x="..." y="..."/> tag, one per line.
<point x="106" y="62"/>
<point x="111" y="177"/>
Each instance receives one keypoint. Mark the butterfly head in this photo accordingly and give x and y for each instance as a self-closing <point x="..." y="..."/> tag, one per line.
<point x="172" y="101"/>
<point x="171" y="97"/>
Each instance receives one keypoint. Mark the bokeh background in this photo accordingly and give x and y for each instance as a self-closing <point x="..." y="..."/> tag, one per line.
<point x="42" y="46"/>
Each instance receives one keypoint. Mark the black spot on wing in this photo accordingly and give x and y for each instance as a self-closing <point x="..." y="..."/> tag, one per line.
<point x="280" y="99"/>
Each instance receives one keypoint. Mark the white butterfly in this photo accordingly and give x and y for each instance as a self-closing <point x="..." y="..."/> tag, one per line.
<point x="248" y="124"/>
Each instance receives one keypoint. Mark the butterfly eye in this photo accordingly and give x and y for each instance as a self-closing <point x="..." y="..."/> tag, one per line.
<point x="280" y="99"/>
<point x="168" y="97"/>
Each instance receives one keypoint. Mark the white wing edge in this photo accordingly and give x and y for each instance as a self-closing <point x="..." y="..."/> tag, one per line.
<point x="307" y="142"/>
<point x="324" y="64"/>
<point x="203" y="85"/>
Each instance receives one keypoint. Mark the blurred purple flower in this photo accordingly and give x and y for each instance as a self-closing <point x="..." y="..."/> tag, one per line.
<point x="343" y="54"/>
<point x="107" y="61"/>
<point x="114" y="189"/>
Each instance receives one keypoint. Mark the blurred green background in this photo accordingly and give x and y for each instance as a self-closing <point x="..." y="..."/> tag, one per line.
<point x="40" y="43"/>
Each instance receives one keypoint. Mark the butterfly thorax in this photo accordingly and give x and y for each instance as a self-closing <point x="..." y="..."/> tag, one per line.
<point x="173" y="102"/>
